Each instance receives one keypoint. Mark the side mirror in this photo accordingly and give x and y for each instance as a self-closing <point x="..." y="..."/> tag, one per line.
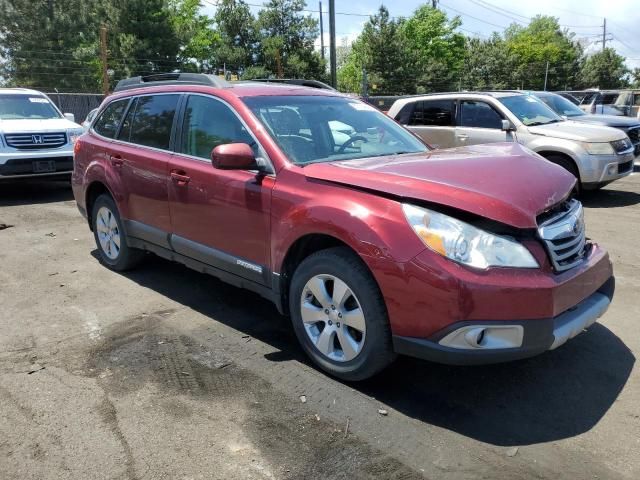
<point x="70" y="116"/>
<point x="506" y="126"/>
<point x="234" y="156"/>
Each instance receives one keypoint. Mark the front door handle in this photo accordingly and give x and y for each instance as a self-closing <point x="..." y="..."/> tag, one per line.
<point x="180" y="177"/>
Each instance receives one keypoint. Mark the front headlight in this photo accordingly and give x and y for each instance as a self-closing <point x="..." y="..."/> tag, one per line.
<point x="600" y="148"/>
<point x="74" y="135"/>
<point x="465" y="243"/>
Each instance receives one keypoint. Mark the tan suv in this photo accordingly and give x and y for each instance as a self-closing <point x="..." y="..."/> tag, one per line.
<point x="594" y="154"/>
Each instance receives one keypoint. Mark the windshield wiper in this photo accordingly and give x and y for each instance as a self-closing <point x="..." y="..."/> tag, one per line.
<point x="535" y="124"/>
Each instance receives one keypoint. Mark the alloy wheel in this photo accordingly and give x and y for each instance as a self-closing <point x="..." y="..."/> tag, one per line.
<point x="108" y="233"/>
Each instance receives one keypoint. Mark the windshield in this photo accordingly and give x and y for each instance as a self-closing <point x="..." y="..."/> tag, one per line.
<point x="530" y="110"/>
<point x="312" y="129"/>
<point x="561" y="105"/>
<point x="18" y="107"/>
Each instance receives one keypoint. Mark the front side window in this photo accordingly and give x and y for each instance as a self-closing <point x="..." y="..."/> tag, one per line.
<point x="479" y="115"/>
<point x="208" y="123"/>
<point x="109" y="121"/>
<point x="153" y="119"/>
<point x="318" y="128"/>
<point x="530" y="110"/>
<point x="26" y="107"/>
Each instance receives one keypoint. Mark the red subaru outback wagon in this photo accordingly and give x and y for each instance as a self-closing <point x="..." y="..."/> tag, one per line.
<point x="373" y="243"/>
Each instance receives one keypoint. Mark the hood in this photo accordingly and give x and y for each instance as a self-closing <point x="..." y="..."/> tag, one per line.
<point x="37" y="126"/>
<point x="581" y="132"/>
<point x="503" y="182"/>
<point x="607" y="120"/>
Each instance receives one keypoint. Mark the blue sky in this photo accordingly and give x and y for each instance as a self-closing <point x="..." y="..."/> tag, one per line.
<point x="481" y="17"/>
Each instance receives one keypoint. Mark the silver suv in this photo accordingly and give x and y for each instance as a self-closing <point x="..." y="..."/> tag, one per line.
<point x="36" y="139"/>
<point x="596" y="155"/>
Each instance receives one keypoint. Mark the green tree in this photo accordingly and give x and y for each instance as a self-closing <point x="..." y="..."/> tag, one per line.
<point x="286" y="40"/>
<point x="198" y="40"/>
<point x="239" y="38"/>
<point x="488" y="64"/>
<point x="436" y="49"/>
<point x="605" y="69"/>
<point x="540" y="42"/>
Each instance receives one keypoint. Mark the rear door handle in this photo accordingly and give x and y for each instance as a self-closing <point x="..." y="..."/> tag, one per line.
<point x="116" y="160"/>
<point x="180" y="177"/>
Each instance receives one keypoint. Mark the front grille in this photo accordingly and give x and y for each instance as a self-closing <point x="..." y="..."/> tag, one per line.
<point x="634" y="135"/>
<point x="562" y="231"/>
<point x="622" y="145"/>
<point x="33" y="141"/>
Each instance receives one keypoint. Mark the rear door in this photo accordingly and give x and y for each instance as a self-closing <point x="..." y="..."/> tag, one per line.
<point x="219" y="217"/>
<point x="142" y="154"/>
<point x="478" y="122"/>
<point x="433" y="121"/>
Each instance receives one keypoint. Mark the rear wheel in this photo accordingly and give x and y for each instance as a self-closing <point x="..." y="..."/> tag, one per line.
<point x="339" y="315"/>
<point x="109" y="236"/>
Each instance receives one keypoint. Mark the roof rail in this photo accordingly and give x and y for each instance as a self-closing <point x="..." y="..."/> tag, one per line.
<point x="170" y="79"/>
<point x="295" y="81"/>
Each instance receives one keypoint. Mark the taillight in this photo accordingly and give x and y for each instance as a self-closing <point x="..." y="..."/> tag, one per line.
<point x="76" y="147"/>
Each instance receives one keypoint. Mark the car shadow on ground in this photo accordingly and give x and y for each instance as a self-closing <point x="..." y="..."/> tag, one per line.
<point x="607" y="198"/>
<point x="26" y="192"/>
<point x="557" y="395"/>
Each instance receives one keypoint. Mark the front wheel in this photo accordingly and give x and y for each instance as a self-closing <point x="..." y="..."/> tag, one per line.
<point x="110" y="238"/>
<point x="339" y="315"/>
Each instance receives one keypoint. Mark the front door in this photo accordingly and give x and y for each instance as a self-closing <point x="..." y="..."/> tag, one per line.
<point x="479" y="122"/>
<point x="219" y="217"/>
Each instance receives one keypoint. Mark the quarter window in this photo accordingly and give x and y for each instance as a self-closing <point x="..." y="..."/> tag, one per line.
<point x="152" y="121"/>
<point x="479" y="114"/>
<point x="209" y="123"/>
<point x="108" y="123"/>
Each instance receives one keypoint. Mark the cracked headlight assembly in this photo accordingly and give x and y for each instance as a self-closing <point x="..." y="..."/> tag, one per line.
<point x="464" y="243"/>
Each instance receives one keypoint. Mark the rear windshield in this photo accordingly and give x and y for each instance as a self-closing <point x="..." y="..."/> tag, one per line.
<point x="19" y="107"/>
<point x="312" y="129"/>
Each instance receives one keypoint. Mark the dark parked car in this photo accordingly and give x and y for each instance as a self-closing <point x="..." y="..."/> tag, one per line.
<point x="562" y="106"/>
<point x="373" y="243"/>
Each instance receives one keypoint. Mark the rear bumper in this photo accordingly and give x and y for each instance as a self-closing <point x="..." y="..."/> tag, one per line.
<point x="539" y="335"/>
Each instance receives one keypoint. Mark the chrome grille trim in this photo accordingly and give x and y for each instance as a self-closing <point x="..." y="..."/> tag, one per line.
<point x="31" y="141"/>
<point x="564" y="236"/>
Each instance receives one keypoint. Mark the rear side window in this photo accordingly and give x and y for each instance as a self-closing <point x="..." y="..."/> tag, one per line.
<point x="437" y="113"/>
<point x="153" y="119"/>
<point x="479" y="114"/>
<point x="108" y="123"/>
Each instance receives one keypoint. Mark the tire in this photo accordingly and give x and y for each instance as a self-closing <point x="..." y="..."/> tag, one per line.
<point x="113" y="249"/>
<point x="570" y="167"/>
<point x="357" y="342"/>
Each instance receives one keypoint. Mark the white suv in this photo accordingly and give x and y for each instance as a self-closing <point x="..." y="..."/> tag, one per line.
<point x="36" y="139"/>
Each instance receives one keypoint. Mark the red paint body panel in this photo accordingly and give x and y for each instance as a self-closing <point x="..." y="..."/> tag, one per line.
<point x="259" y="218"/>
<point x="503" y="182"/>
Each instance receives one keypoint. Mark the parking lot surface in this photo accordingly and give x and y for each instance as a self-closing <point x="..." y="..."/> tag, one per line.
<point x="165" y="373"/>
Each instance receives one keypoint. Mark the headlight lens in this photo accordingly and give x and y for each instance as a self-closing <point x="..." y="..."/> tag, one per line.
<point x="74" y="135"/>
<point x="465" y="243"/>
<point x="600" y="148"/>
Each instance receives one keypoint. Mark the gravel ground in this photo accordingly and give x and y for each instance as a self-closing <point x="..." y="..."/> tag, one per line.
<point x="165" y="373"/>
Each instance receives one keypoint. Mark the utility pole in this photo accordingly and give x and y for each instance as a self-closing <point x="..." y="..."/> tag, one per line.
<point x="604" y="34"/>
<point x="365" y="83"/>
<point x="332" y="43"/>
<point x="434" y="3"/>
<point x="321" y="32"/>
<point x="546" y="74"/>
<point x="103" y="59"/>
